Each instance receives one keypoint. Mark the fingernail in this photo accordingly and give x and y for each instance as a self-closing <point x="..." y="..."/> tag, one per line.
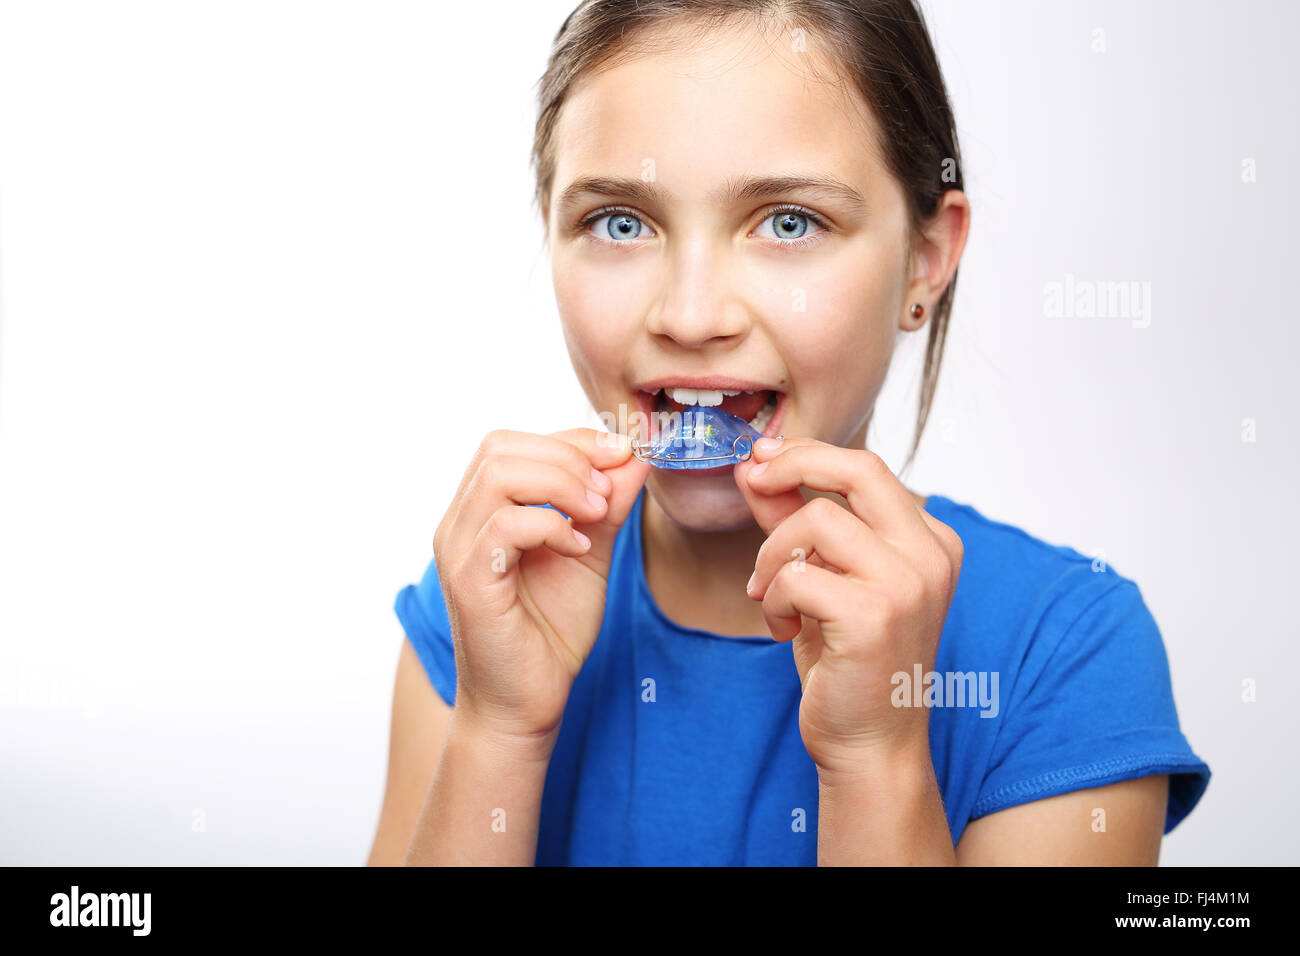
<point x="581" y="538"/>
<point x="601" y="481"/>
<point x="757" y="469"/>
<point x="767" y="444"/>
<point x="750" y="586"/>
<point x="596" y="500"/>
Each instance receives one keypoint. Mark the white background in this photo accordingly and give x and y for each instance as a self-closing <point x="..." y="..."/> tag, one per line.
<point x="269" y="270"/>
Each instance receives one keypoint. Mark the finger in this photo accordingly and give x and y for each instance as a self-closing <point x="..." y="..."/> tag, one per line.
<point x="873" y="492"/>
<point x="765" y="449"/>
<point x="820" y="594"/>
<point x="626" y="480"/>
<point x="604" y="449"/>
<point x="950" y="541"/>
<point x="583" y="451"/>
<point x="807" y="650"/>
<point x="768" y="510"/>
<point x="948" y="538"/>
<point x="507" y="480"/>
<point x="825" y="529"/>
<point x="510" y="532"/>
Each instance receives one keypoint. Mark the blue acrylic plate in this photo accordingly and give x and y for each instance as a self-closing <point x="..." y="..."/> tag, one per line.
<point x="702" y="436"/>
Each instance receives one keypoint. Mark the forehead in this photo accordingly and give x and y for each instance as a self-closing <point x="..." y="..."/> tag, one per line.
<point x="740" y="100"/>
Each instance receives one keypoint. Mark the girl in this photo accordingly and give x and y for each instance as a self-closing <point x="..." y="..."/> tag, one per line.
<point x="794" y="659"/>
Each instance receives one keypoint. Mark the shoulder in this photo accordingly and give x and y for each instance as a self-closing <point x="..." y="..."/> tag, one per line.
<point x="987" y="538"/>
<point x="1072" y="639"/>
<point x="1083" y="693"/>
<point x="420" y="606"/>
<point x="1012" y="574"/>
<point x="1031" y="608"/>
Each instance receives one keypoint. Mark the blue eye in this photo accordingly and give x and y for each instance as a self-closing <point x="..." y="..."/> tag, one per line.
<point x="790" y="224"/>
<point x="619" y="227"/>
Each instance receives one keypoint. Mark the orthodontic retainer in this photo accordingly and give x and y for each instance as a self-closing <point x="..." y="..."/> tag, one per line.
<point x="702" y="436"/>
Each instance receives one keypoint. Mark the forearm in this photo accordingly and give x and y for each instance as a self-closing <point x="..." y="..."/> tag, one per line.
<point x="484" y="801"/>
<point x="886" y="813"/>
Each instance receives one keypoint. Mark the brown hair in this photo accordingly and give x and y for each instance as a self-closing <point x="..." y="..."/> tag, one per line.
<point x="881" y="45"/>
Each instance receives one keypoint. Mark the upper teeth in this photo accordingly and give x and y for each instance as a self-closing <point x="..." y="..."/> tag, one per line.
<point x="701" y="396"/>
<point x="695" y="396"/>
<point x="704" y="396"/>
<point x="760" y="421"/>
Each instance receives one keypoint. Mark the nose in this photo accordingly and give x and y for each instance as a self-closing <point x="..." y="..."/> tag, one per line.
<point x="699" y="304"/>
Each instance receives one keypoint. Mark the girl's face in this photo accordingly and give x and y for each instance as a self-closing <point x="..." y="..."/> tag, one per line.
<point x="711" y="271"/>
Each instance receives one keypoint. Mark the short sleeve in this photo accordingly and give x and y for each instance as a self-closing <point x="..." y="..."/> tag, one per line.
<point x="423" y="613"/>
<point x="1092" y="704"/>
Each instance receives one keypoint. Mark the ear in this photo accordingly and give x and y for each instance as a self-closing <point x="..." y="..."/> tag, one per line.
<point x="935" y="256"/>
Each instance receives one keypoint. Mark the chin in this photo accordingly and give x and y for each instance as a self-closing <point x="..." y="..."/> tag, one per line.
<point x="701" y="500"/>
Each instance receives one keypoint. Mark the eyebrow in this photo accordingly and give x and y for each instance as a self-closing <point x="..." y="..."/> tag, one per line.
<point x="733" y="190"/>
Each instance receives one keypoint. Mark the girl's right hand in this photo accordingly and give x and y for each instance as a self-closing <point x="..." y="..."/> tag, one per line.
<point x="525" y="594"/>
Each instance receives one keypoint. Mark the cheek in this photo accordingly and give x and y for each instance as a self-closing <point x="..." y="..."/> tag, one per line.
<point x="836" y="317"/>
<point x="597" y="316"/>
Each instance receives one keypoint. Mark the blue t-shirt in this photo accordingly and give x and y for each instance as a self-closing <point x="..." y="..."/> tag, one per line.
<point x="682" y="747"/>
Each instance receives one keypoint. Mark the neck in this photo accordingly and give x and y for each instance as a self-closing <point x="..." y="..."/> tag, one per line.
<point x="681" y="565"/>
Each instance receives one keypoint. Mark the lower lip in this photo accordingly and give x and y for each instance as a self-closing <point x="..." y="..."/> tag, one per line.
<point x="644" y="405"/>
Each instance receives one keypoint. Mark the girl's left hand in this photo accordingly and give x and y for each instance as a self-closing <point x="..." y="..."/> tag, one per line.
<point x="863" y="591"/>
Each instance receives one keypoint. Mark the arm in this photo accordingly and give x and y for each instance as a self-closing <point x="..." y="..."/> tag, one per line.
<point x="484" y="802"/>
<point x="418" y="732"/>
<point x="455" y="794"/>
<point x="1064" y="830"/>
<point x="864" y="600"/>
<point x="514" y="601"/>
<point x="889" y="815"/>
<point x="894" y="816"/>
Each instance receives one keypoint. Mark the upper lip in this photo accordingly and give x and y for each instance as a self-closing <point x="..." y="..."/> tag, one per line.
<point x="715" y="383"/>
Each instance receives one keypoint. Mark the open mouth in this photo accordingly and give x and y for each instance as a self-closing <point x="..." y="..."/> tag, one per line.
<point x="756" y="407"/>
<point x="762" y="408"/>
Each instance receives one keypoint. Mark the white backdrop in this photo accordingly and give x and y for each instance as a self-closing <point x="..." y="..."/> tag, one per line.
<point x="269" y="270"/>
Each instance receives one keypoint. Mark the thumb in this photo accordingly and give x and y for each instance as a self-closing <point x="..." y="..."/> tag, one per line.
<point x="769" y="510"/>
<point x="627" y="479"/>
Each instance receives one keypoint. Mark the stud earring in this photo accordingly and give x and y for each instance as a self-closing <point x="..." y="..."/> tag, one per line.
<point x="918" y="310"/>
